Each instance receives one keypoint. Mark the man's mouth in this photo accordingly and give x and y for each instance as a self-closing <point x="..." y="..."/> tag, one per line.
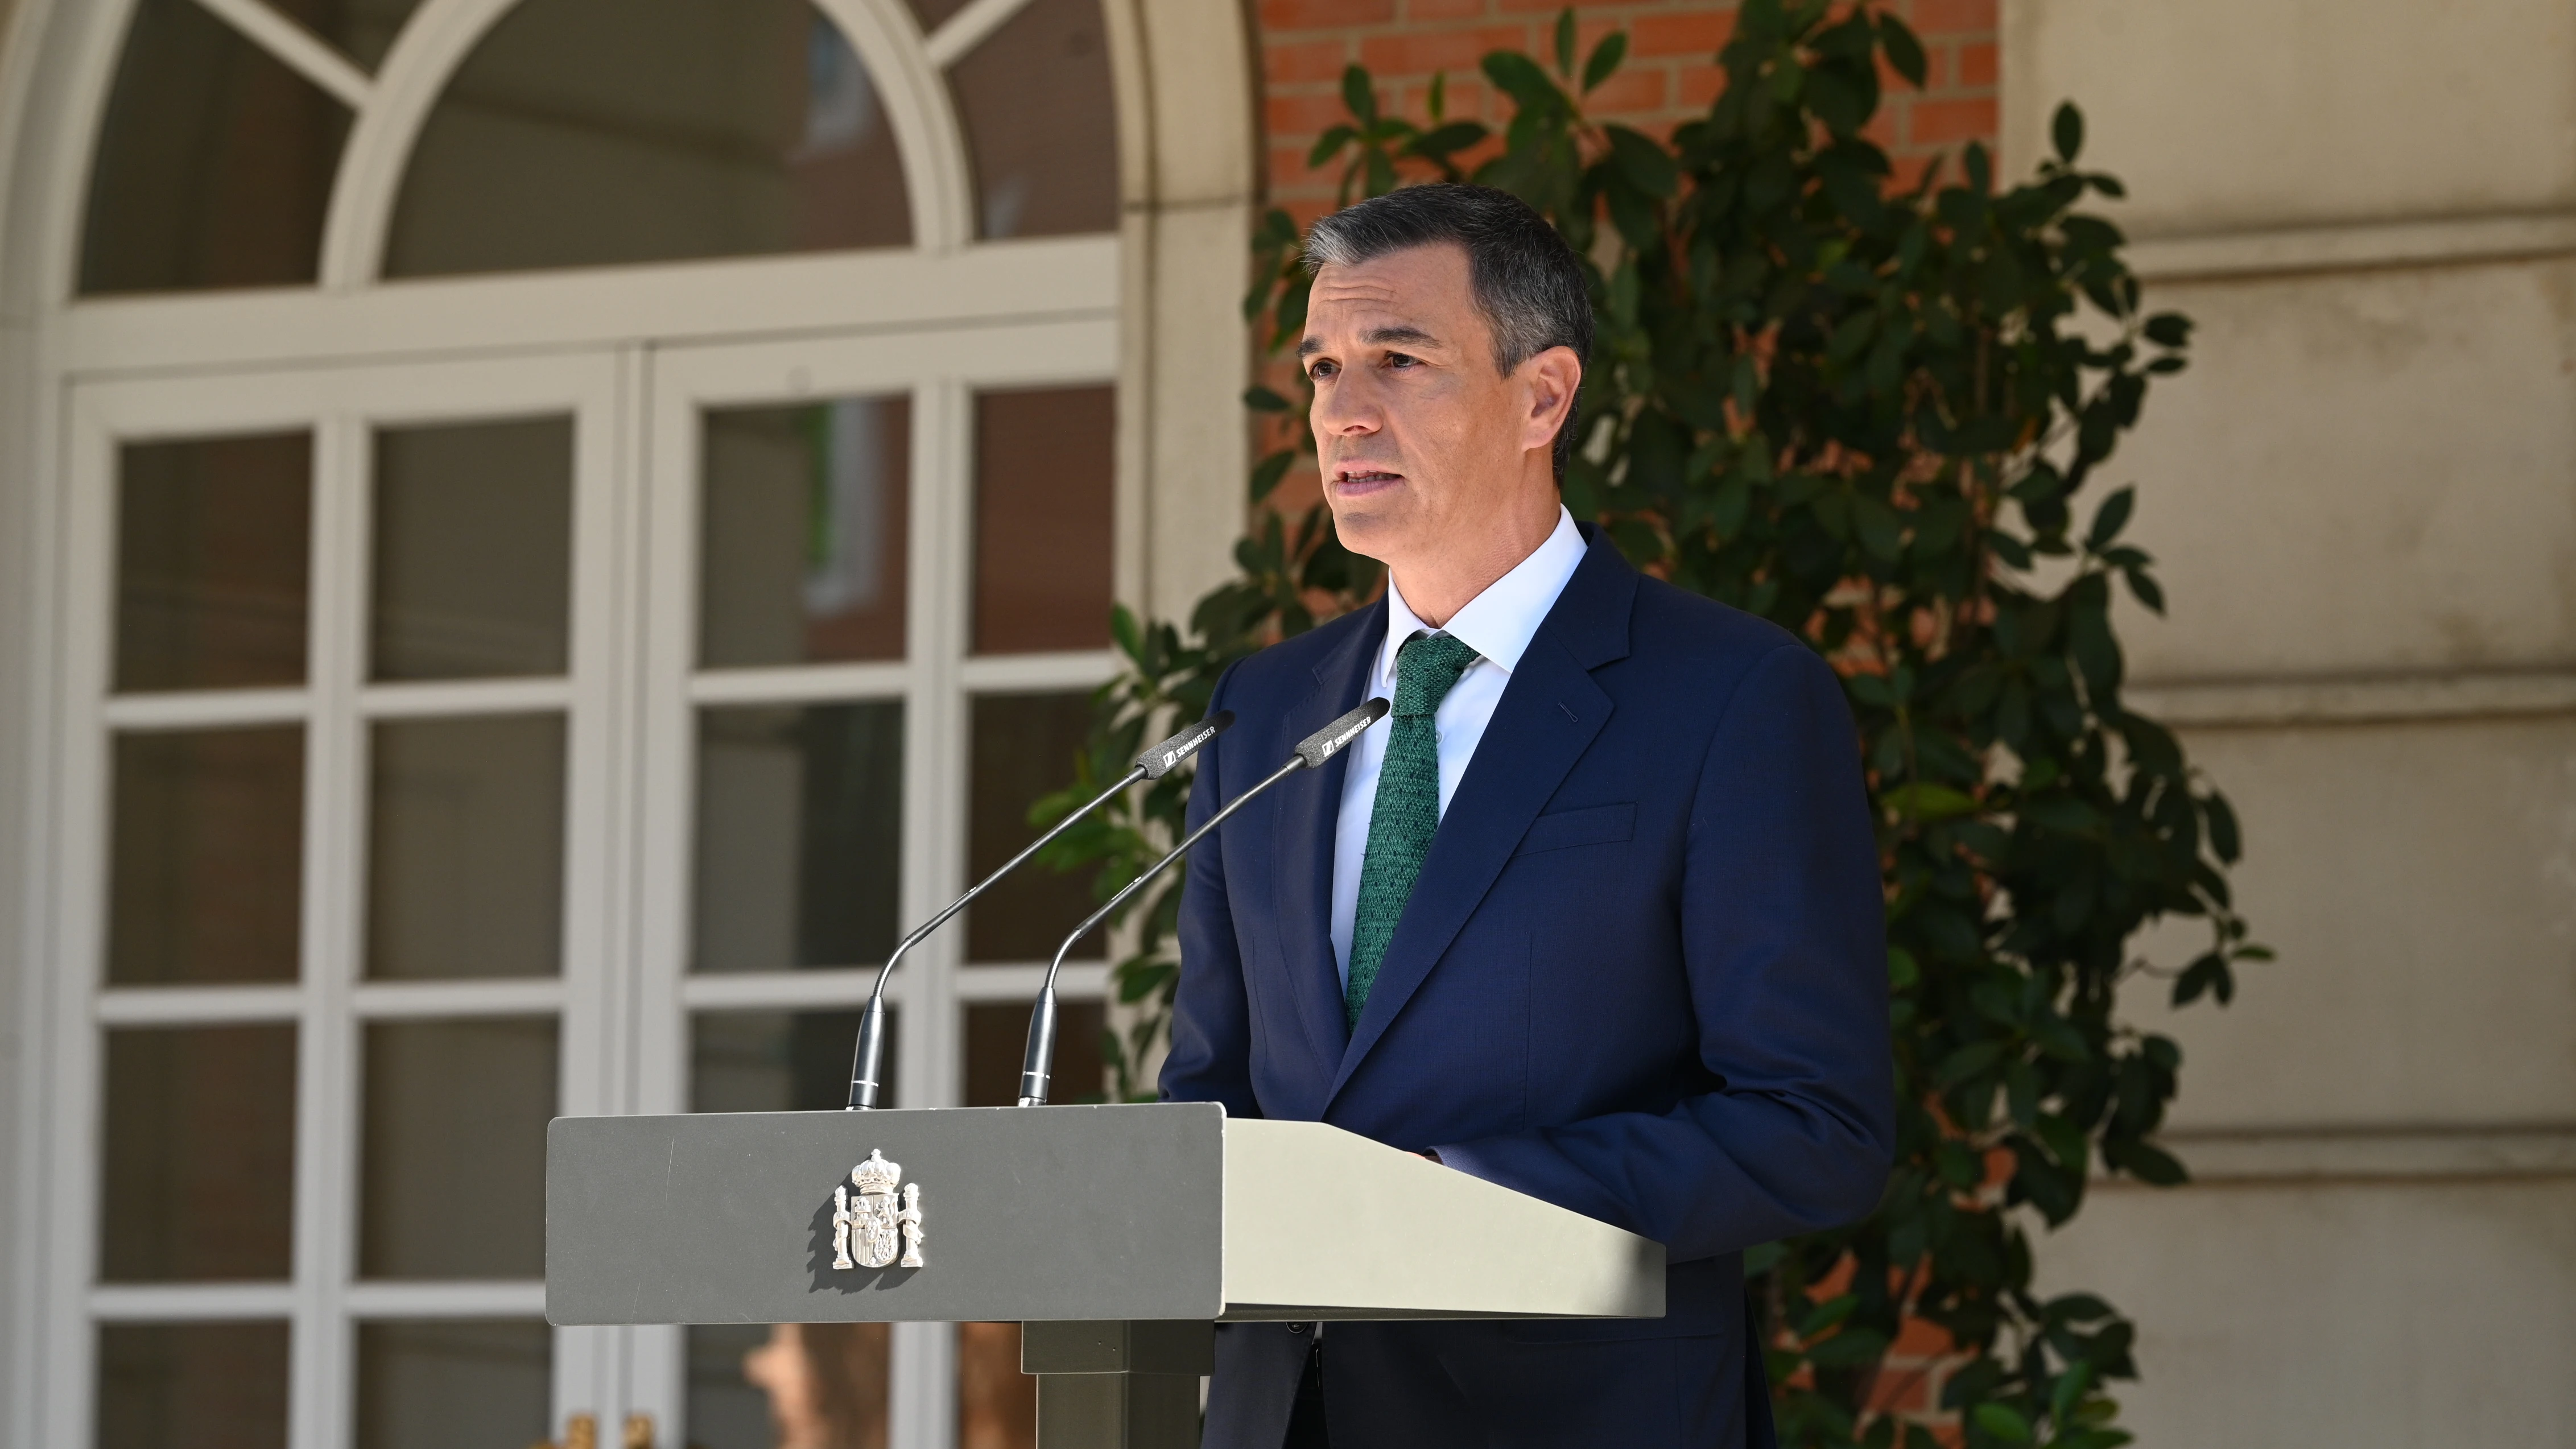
<point x="1364" y="480"/>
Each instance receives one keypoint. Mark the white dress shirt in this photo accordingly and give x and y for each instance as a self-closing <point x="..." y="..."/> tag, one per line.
<point x="1497" y="624"/>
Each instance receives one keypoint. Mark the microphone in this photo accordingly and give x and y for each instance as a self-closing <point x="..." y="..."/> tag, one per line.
<point x="869" y="1057"/>
<point x="1038" y="1066"/>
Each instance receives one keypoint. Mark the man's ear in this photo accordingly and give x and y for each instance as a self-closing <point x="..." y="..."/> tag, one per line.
<point x="1550" y="380"/>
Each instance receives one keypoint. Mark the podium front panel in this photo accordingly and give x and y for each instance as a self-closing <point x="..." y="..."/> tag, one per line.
<point x="1110" y="1213"/>
<point x="1024" y="1213"/>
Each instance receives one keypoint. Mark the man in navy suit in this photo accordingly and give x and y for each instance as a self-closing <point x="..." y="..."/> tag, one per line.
<point x="1595" y="915"/>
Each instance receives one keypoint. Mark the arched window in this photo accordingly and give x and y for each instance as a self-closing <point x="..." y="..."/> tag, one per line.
<point x="578" y="520"/>
<point x="601" y="132"/>
<point x="583" y="133"/>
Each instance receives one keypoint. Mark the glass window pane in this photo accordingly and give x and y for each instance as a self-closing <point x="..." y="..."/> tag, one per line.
<point x="465" y="848"/>
<point x="931" y="12"/>
<point x="597" y="132"/>
<point x="806" y="1385"/>
<point x="800" y="831"/>
<point x="453" y="1162"/>
<point x="454" y="1384"/>
<point x="213" y="539"/>
<point x="473" y="549"/>
<point x="1042" y="122"/>
<point x="199" y="1158"/>
<point x="362" y="30"/>
<point x="192" y="1386"/>
<point x="997" y="1405"/>
<point x="1024" y="746"/>
<point x="214" y="162"/>
<point x="780" y="1061"/>
<point x="997" y="1038"/>
<point x="207" y="857"/>
<point x="1044" y="501"/>
<point x="801" y="549"/>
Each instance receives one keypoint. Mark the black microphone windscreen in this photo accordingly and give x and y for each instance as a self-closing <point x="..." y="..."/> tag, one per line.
<point x="1327" y="742"/>
<point x="1161" y="759"/>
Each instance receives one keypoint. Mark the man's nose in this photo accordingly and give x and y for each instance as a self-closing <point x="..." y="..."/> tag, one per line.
<point x="1346" y="408"/>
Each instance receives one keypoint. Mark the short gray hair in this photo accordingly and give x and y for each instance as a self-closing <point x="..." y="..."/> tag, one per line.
<point x="1526" y="281"/>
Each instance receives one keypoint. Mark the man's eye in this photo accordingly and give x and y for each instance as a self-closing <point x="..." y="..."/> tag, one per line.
<point x="1401" y="359"/>
<point x="1320" y="371"/>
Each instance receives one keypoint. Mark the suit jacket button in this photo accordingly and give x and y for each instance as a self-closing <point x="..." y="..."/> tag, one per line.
<point x="1297" y="1328"/>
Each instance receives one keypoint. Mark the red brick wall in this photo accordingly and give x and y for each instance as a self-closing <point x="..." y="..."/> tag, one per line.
<point x="1670" y="75"/>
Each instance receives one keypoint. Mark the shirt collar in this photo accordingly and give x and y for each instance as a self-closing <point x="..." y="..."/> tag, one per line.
<point x="1498" y="623"/>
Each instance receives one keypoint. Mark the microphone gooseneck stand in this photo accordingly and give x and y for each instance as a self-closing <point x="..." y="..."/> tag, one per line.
<point x="1037" y="1066"/>
<point x="869" y="1057"/>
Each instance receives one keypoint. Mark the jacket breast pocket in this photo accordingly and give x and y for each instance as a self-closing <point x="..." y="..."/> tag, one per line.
<point x="1593" y="825"/>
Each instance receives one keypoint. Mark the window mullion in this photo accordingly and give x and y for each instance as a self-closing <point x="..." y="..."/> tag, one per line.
<point x="327" y="1109"/>
<point x="74" y="1051"/>
<point x="296" y="48"/>
<point x="923" y="1405"/>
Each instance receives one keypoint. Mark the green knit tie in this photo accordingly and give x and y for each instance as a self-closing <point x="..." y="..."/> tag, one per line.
<point x="1408" y="804"/>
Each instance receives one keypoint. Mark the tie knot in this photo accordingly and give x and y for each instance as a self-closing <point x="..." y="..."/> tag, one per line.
<point x="1426" y="669"/>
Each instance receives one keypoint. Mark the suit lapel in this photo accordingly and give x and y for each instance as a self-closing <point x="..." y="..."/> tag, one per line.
<point x="1548" y="716"/>
<point x="1308" y="810"/>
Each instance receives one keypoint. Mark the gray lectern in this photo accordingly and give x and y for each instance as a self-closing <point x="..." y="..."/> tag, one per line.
<point x="1118" y="1235"/>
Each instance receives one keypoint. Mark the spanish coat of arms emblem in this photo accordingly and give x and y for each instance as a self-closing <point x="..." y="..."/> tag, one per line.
<point x="868" y="1229"/>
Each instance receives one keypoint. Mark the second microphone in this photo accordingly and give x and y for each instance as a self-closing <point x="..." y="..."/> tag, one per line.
<point x="1037" y="1066"/>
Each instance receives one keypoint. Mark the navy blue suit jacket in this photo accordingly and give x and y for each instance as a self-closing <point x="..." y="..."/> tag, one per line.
<point x="1642" y="974"/>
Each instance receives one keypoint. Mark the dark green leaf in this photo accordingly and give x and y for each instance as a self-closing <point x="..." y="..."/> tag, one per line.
<point x="2064" y="813"/>
<point x="1968" y="1061"/>
<point x="1838" y="101"/>
<point x="1904" y="52"/>
<point x="2146" y="1163"/>
<point x="1441" y="141"/>
<point x="1605" y="59"/>
<point x="1853" y="1348"/>
<point x="1644" y="163"/>
<point x="1520" y="78"/>
<point x="1329" y="145"/>
<point x="2065" y="1141"/>
<point x="1267" y="473"/>
<point x="2221" y="819"/>
<point x="1828" y="1313"/>
<point x="2003" y="1421"/>
<point x="2110" y="518"/>
<point x="2069" y="1392"/>
<point x="1923" y="800"/>
<point x="2207" y="974"/>
<point x="2066" y="131"/>
<point x="1359" y="95"/>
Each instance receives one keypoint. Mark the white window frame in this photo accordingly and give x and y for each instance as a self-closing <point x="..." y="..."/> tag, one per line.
<point x="937" y="679"/>
<point x="631" y="700"/>
<point x="328" y="1001"/>
<point x="243" y="356"/>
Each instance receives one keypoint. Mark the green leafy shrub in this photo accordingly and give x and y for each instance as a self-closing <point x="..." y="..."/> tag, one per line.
<point x="1869" y="414"/>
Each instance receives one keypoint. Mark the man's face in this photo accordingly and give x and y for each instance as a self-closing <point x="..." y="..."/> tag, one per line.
<point x="1423" y="444"/>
